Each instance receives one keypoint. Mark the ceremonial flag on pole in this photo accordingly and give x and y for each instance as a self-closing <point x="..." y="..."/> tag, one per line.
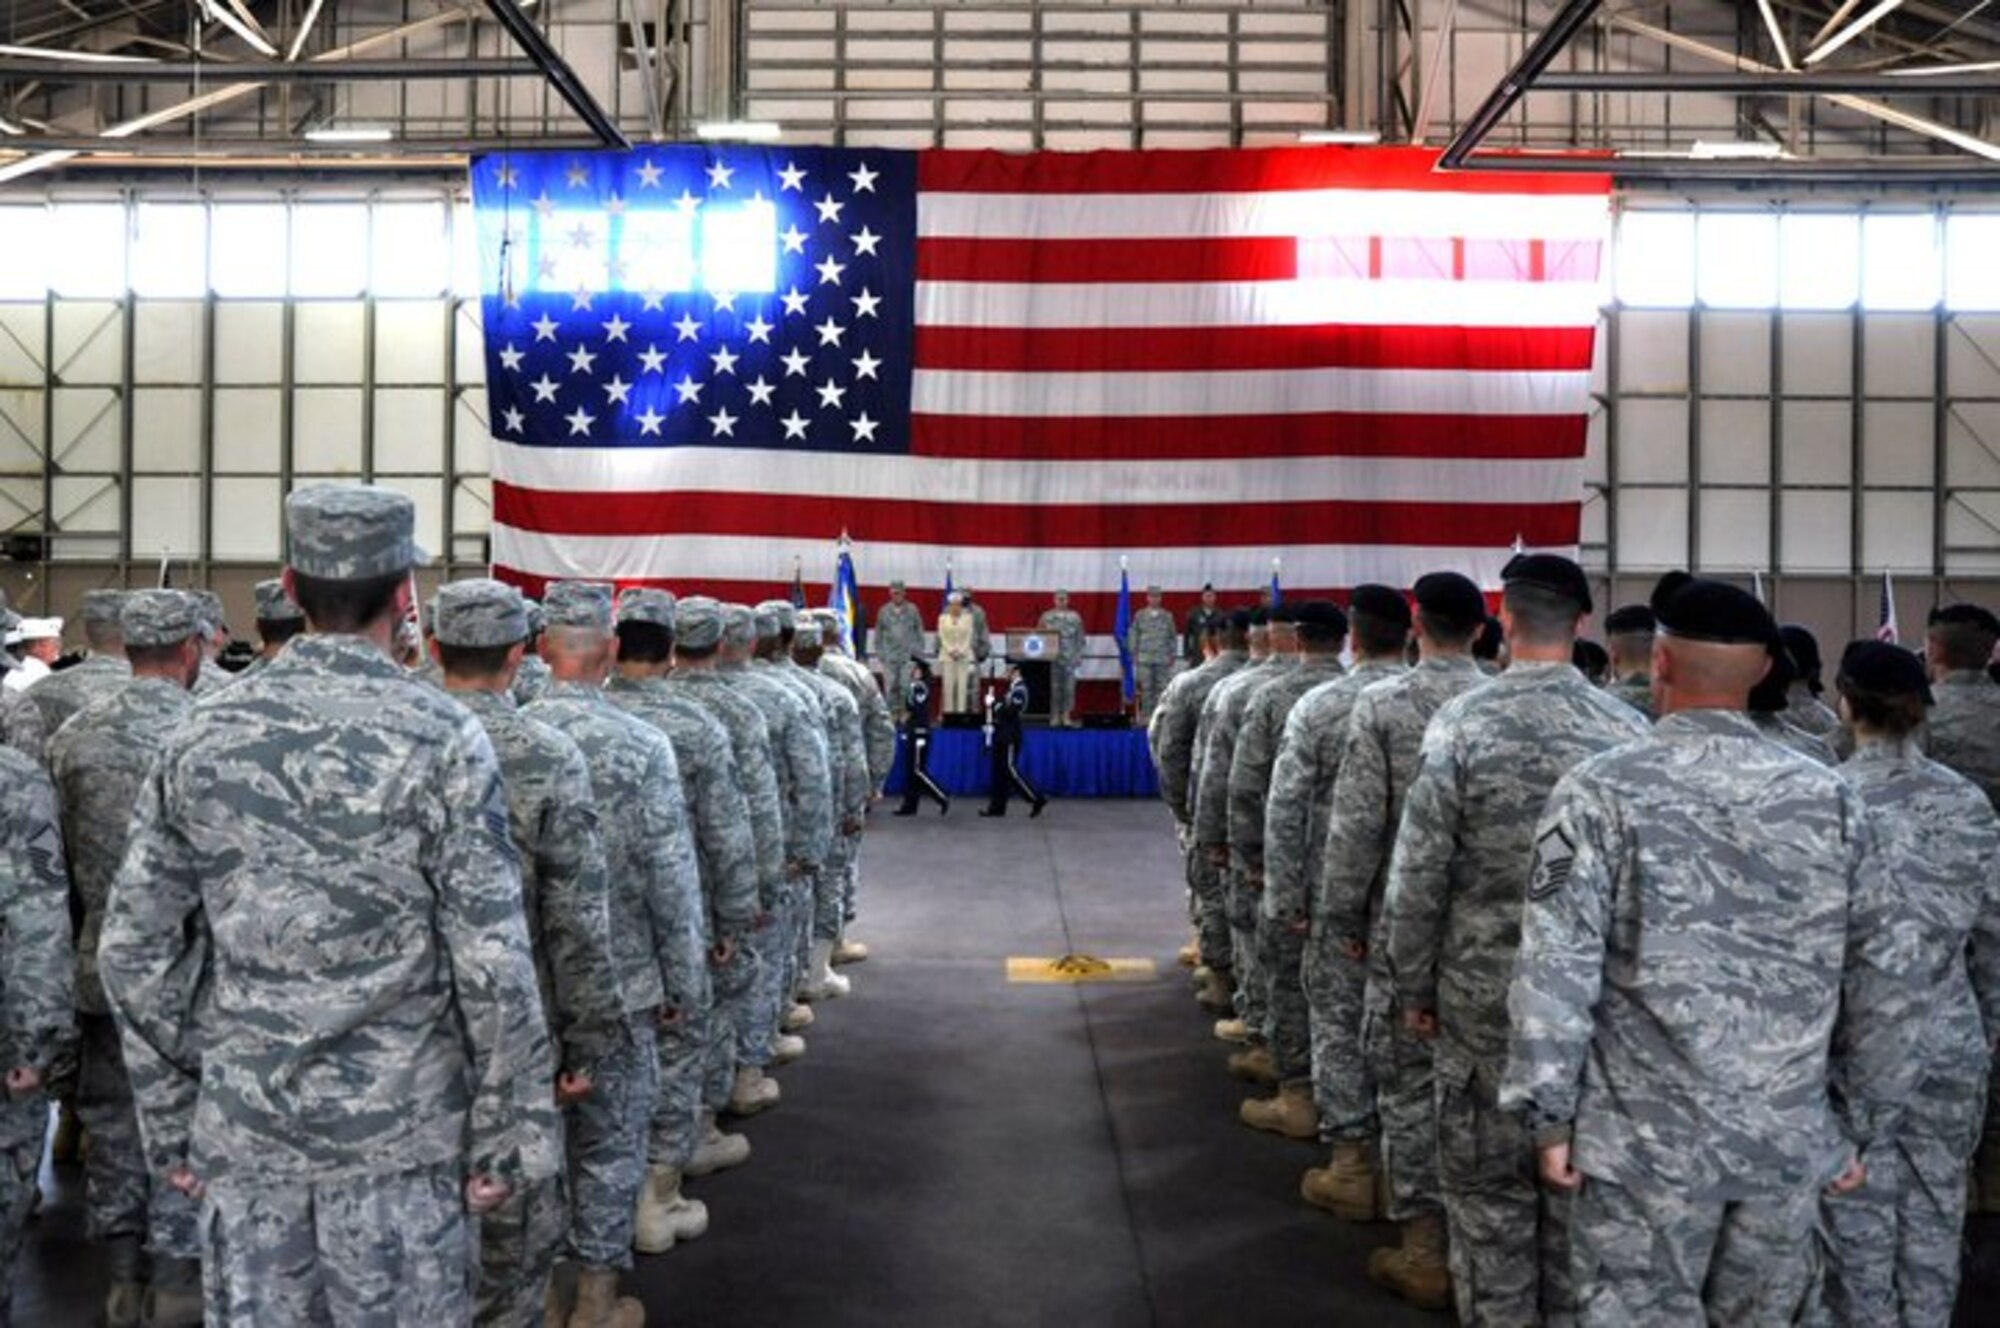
<point x="798" y="591"/>
<point x="1277" y="592"/>
<point x="847" y="599"/>
<point x="700" y="358"/>
<point x="947" y="586"/>
<point x="1757" y="588"/>
<point x="1121" y="628"/>
<point x="1885" y="628"/>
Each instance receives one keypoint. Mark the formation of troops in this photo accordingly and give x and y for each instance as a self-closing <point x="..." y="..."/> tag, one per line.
<point x="416" y="995"/>
<point x="1663" y="1001"/>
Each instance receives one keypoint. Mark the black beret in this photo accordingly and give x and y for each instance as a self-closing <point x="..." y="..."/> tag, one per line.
<point x="1451" y="597"/>
<point x="1242" y="620"/>
<point x="1551" y="572"/>
<point x="1590" y="657"/>
<point x="1319" y="621"/>
<point x="1715" y="611"/>
<point x="1803" y="647"/>
<point x="1282" y="613"/>
<point x="1877" y="666"/>
<point x="1491" y="636"/>
<point x="1971" y="615"/>
<point x="1772" y="692"/>
<point x="1259" y="616"/>
<point x="1382" y="603"/>
<point x="1631" y="620"/>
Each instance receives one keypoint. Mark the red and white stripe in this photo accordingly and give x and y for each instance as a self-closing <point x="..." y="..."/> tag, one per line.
<point x="1195" y="360"/>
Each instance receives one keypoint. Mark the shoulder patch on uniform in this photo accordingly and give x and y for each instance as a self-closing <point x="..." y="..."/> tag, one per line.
<point x="1555" y="854"/>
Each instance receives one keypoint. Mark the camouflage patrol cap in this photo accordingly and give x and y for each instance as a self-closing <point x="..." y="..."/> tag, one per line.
<point x="351" y="532"/>
<point x="578" y="604"/>
<point x="739" y="626"/>
<point x="150" y="618"/>
<point x="427" y="617"/>
<point x="765" y="621"/>
<point x="897" y="584"/>
<point x="784" y="610"/>
<point x="805" y="633"/>
<point x="643" y="604"/>
<point x="274" y="605"/>
<point x="212" y="615"/>
<point x="480" y="613"/>
<point x="537" y="620"/>
<point x="698" y="622"/>
<point x="101" y="607"/>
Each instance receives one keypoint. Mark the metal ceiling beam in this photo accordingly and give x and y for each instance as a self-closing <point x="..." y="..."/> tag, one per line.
<point x="1747" y="84"/>
<point x="264" y="71"/>
<point x="561" y="77"/>
<point x="265" y="147"/>
<point x="1541" y="52"/>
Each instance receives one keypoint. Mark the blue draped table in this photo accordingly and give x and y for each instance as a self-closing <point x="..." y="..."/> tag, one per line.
<point x="1062" y="763"/>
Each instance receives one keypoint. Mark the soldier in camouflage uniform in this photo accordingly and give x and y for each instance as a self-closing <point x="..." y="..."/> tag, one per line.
<point x="1373" y="1070"/>
<point x="1172" y="737"/>
<point x="102" y="672"/>
<point x="1152" y="640"/>
<point x="1894" y="1244"/>
<point x="1067" y="625"/>
<point x="1456" y="888"/>
<point x="1675" y="1036"/>
<point x="479" y="631"/>
<point x="1295" y="828"/>
<point x="316" y="954"/>
<point x="35" y="994"/>
<point x="726" y="838"/>
<point x="531" y="680"/>
<point x="636" y="1131"/>
<point x="1628" y="635"/>
<point x="898" y="638"/>
<point x="1283" y="1051"/>
<point x="878" y="733"/>
<point x="279" y="619"/>
<point x="1805" y="710"/>
<point x="213" y="676"/>
<point x="20" y="719"/>
<point x="99" y="763"/>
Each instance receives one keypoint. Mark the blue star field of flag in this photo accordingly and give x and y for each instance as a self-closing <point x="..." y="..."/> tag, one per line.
<point x="694" y="296"/>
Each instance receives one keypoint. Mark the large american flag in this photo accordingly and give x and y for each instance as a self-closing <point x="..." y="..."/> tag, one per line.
<point x="707" y="362"/>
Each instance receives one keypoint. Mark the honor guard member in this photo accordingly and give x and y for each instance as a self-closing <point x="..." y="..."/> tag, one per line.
<point x="1067" y="625"/>
<point x="1295" y="828"/>
<point x="35" y="992"/>
<point x="1711" y="1006"/>
<point x="531" y="680"/>
<point x="1203" y="619"/>
<point x="279" y="619"/>
<point x="213" y="675"/>
<point x="480" y="629"/>
<point x="1003" y="747"/>
<point x="849" y="749"/>
<point x="99" y="762"/>
<point x="1457" y="883"/>
<point x="1628" y="634"/>
<point x="917" y="781"/>
<point x="1152" y="640"/>
<point x="1172" y="737"/>
<point x="100" y="673"/>
<point x="20" y="719"/>
<point x="317" y="956"/>
<point x="635" y="1133"/>
<point x="727" y="842"/>
<point x="899" y="638"/>
<point x="956" y="660"/>
<point x="1804" y="709"/>
<point x="1380" y="1074"/>
<point x="1283" y="1055"/>
<point x="1894" y="1244"/>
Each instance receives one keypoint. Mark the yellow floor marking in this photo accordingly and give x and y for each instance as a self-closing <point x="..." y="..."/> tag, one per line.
<point x="1080" y="968"/>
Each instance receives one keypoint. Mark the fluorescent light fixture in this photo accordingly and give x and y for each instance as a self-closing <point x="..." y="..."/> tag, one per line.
<point x="1738" y="150"/>
<point x="79" y="57"/>
<point x="236" y="25"/>
<point x="1931" y="71"/>
<point x="1351" y="137"/>
<point x="351" y="134"/>
<point x="1777" y="33"/>
<point x="760" y="131"/>
<point x="1851" y="31"/>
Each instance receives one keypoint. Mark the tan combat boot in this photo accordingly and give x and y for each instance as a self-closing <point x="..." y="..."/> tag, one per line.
<point x="752" y="1092"/>
<point x="1416" y="1269"/>
<point x="850" y="952"/>
<point x="1189" y="955"/>
<point x="1232" y="1029"/>
<point x="798" y="1018"/>
<point x="598" y="1304"/>
<point x="663" y="1217"/>
<point x="1216" y="994"/>
<point x="716" y="1151"/>
<point x="1349" y="1185"/>
<point x="1254" y="1065"/>
<point x="1290" y="1113"/>
<point x="786" y="1048"/>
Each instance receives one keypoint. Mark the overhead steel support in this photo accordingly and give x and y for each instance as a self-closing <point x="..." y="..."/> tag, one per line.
<point x="1568" y="21"/>
<point x="1748" y="84"/>
<point x="561" y="77"/>
<point x="264" y="71"/>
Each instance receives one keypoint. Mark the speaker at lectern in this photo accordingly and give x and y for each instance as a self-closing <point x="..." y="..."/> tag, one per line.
<point x="1031" y="652"/>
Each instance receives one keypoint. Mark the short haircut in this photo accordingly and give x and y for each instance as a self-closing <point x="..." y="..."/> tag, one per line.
<point x="1448" y="631"/>
<point x="1962" y="645"/>
<point x="277" y="631"/>
<point x="1894" y="713"/>
<point x="645" y="643"/>
<point x="473" y="661"/>
<point x="345" y="606"/>
<point x="155" y="657"/>
<point x="1542" y="616"/>
<point x="1376" y="636"/>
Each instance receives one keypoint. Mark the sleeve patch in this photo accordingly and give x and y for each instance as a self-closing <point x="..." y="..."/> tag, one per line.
<point x="1555" y="855"/>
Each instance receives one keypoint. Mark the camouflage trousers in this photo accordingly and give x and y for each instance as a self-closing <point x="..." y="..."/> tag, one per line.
<point x="774" y="950"/>
<point x="1210" y="911"/>
<point x="896" y="684"/>
<point x="1149" y="679"/>
<point x="519" y="1243"/>
<point x="19" y="1162"/>
<point x="829" y="912"/>
<point x="736" y="987"/>
<point x="606" y="1137"/>
<point x="377" y="1250"/>
<point x="119" y="1196"/>
<point x="1404" y="1104"/>
<point x="1287" y="1022"/>
<point x="682" y="1056"/>
<point x="1892" y="1247"/>
<point x="1343" y="1083"/>
<point x="1649" y="1256"/>
<point x="1509" y="1246"/>
<point x="1252" y="990"/>
<point x="1062" y="689"/>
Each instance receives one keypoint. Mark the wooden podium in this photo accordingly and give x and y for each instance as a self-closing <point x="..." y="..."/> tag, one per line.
<point x="1032" y="651"/>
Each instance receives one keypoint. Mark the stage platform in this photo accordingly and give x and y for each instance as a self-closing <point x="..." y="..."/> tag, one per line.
<point x="1063" y="763"/>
